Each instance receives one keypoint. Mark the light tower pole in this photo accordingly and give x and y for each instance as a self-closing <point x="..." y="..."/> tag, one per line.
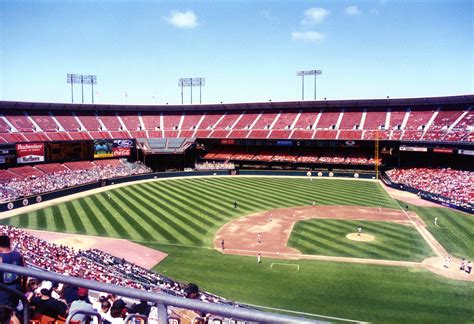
<point x="308" y="72"/>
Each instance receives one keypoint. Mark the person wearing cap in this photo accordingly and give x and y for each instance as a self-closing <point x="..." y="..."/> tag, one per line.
<point x="82" y="303"/>
<point x="46" y="305"/>
<point x="12" y="280"/>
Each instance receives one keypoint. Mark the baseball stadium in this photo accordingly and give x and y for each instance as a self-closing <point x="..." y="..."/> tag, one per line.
<point x="325" y="210"/>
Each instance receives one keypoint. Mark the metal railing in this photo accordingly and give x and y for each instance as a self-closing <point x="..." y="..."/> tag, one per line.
<point x="161" y="300"/>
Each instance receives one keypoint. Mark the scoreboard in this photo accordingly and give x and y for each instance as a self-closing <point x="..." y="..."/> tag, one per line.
<point x="69" y="151"/>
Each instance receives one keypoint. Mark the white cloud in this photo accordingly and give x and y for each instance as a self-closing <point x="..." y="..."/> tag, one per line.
<point x="314" y="16"/>
<point x="352" y="11"/>
<point x="309" y="36"/>
<point x="183" y="19"/>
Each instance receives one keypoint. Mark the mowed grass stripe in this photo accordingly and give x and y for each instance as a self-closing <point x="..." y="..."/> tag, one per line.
<point x="340" y="242"/>
<point x="91" y="212"/>
<point x="204" y="205"/>
<point x="190" y="208"/>
<point x="199" y="206"/>
<point x="323" y="195"/>
<point x="327" y="236"/>
<point x="254" y="197"/>
<point x="108" y="220"/>
<point x="167" y="214"/>
<point x="141" y="218"/>
<point x="455" y="229"/>
<point x="76" y="219"/>
<point x="128" y="211"/>
<point x="226" y="198"/>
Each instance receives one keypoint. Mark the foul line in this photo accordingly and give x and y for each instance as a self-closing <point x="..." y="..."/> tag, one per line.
<point x="419" y="229"/>
<point x="285" y="264"/>
<point x="303" y="313"/>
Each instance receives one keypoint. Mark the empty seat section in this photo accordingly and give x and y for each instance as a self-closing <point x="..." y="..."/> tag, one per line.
<point x="280" y="134"/>
<point x="89" y="120"/>
<point x="219" y="133"/>
<point x="151" y="121"/>
<point x="79" y="165"/>
<point x="58" y="136"/>
<point x="227" y="122"/>
<point x="375" y="119"/>
<point x="210" y="120"/>
<point x="444" y="119"/>
<point x="27" y="171"/>
<point x="349" y="135"/>
<point x="120" y="134"/>
<point x="418" y="119"/>
<point x="302" y="134"/>
<point x="350" y="119"/>
<point x="202" y="133"/>
<point x="6" y="175"/>
<point x="67" y="121"/>
<point x="36" y="137"/>
<point x="4" y="128"/>
<point x="51" y="167"/>
<point x="258" y="133"/>
<point x="109" y="162"/>
<point x="171" y="121"/>
<point x="110" y="121"/>
<point x="306" y="120"/>
<point x="396" y="119"/>
<point x="43" y="120"/>
<point x="285" y="120"/>
<point x="266" y="120"/>
<point x="328" y="120"/>
<point x="21" y="123"/>
<point x="130" y="120"/>
<point x="14" y="137"/>
<point x="80" y="135"/>
<point x="325" y="134"/>
<point x="237" y="133"/>
<point x="100" y="135"/>
<point x="247" y="120"/>
<point x="190" y="121"/>
<point x="138" y="134"/>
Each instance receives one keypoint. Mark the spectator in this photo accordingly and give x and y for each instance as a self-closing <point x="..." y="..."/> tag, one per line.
<point x="12" y="280"/>
<point x="46" y="305"/>
<point x="82" y="304"/>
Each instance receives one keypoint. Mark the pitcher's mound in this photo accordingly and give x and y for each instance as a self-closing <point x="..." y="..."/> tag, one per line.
<point x="360" y="238"/>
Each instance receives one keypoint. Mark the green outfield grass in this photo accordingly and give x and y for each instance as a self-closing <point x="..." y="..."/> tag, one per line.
<point x="355" y="291"/>
<point x="328" y="237"/>
<point x="455" y="230"/>
<point x="188" y="211"/>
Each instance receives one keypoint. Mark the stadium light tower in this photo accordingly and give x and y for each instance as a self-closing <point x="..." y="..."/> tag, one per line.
<point x="81" y="79"/>
<point x="309" y="72"/>
<point x="191" y="82"/>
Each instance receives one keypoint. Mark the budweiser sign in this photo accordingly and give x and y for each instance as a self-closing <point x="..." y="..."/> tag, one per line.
<point x="29" y="152"/>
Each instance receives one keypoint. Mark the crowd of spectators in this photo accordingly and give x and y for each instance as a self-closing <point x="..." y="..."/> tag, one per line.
<point x="92" y="265"/>
<point x="18" y="187"/>
<point x="268" y="155"/>
<point x="447" y="185"/>
<point x="214" y="166"/>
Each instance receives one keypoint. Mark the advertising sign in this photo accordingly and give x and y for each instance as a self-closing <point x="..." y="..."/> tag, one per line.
<point x="29" y="152"/>
<point x="413" y="149"/>
<point x="466" y="152"/>
<point x="442" y="150"/>
<point x="103" y="149"/>
<point x="112" y="148"/>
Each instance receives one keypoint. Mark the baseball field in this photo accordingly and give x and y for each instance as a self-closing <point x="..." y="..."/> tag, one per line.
<point x="379" y="279"/>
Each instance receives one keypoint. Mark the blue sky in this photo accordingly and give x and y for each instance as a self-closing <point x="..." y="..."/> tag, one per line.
<point x="247" y="50"/>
